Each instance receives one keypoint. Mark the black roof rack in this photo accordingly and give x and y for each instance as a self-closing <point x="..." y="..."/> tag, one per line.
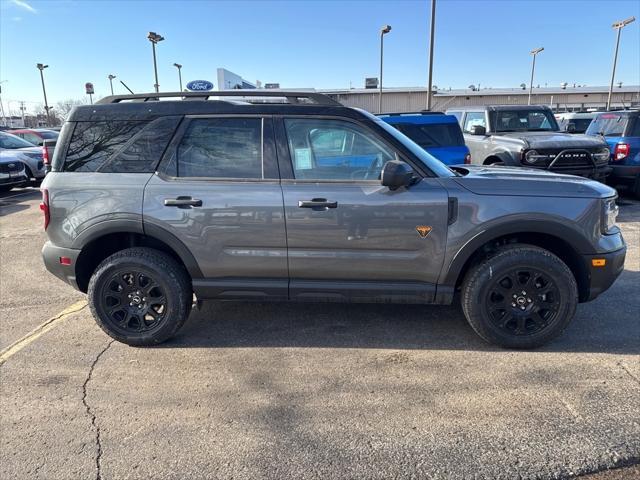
<point x="293" y="97"/>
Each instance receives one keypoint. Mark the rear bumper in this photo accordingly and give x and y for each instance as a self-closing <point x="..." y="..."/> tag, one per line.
<point x="601" y="278"/>
<point x="51" y="256"/>
<point x="624" y="173"/>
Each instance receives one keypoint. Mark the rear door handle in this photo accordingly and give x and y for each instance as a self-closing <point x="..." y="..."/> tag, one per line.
<point x="317" y="204"/>
<point x="182" y="202"/>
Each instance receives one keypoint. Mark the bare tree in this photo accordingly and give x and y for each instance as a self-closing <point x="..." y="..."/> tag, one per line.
<point x="64" y="107"/>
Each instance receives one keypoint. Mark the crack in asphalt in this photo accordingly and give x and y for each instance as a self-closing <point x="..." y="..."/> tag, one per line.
<point x="624" y="367"/>
<point x="92" y="414"/>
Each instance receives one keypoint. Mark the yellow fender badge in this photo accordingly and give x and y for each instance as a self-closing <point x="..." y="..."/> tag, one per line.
<point x="423" y="230"/>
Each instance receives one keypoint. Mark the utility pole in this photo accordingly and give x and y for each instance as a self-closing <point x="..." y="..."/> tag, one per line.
<point x="111" y="77"/>
<point x="533" y="52"/>
<point x="154" y="38"/>
<point x="432" y="34"/>
<point x="179" y="67"/>
<point x="617" y="26"/>
<point x="41" y="67"/>
<point x="384" y="30"/>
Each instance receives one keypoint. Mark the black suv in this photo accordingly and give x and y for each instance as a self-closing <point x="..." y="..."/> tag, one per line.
<point x="272" y="195"/>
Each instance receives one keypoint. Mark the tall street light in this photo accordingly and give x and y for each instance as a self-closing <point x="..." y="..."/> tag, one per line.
<point x="111" y="77"/>
<point x="617" y="26"/>
<point x="179" y="67"/>
<point x="154" y="38"/>
<point x="41" y="67"/>
<point x="432" y="31"/>
<point x="384" y="30"/>
<point x="533" y="67"/>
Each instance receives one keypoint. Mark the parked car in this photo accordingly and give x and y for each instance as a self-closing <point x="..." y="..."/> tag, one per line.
<point x="12" y="172"/>
<point x="621" y="131"/>
<point x="149" y="202"/>
<point x="29" y="154"/>
<point x="439" y="134"/>
<point x="528" y="136"/>
<point x="36" y="135"/>
<point x="574" y="122"/>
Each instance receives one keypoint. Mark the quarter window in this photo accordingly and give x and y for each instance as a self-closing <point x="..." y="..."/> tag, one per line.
<point x="334" y="150"/>
<point x="221" y="148"/>
<point x="474" y="118"/>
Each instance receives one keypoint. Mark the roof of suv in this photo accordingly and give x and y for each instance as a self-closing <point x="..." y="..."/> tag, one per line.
<point x="419" y="118"/>
<point x="499" y="107"/>
<point x="149" y="105"/>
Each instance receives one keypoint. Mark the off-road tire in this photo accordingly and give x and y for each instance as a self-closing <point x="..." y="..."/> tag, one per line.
<point x="482" y="282"/>
<point x="172" y="280"/>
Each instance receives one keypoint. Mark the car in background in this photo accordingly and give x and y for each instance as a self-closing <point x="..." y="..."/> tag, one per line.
<point x="37" y="136"/>
<point x="437" y="133"/>
<point x="27" y="153"/>
<point x="621" y="131"/>
<point x="574" y="122"/>
<point x="12" y="172"/>
<point x="529" y="136"/>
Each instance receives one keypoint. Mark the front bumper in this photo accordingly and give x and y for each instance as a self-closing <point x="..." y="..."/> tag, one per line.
<point x="602" y="277"/>
<point x="13" y="181"/>
<point x="51" y="255"/>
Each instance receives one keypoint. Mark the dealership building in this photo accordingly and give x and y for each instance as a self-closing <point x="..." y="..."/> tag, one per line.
<point x="413" y="99"/>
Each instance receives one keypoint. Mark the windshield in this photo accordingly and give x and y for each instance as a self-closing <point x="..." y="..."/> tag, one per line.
<point x="525" y="121"/>
<point x="48" y="134"/>
<point x="433" y="135"/>
<point x="429" y="160"/>
<point x="609" y="125"/>
<point x="11" y="142"/>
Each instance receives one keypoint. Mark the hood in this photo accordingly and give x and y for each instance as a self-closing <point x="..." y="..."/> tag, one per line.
<point x="518" y="181"/>
<point x="555" y="140"/>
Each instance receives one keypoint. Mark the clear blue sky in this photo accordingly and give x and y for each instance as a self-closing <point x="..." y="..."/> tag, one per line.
<point x="322" y="44"/>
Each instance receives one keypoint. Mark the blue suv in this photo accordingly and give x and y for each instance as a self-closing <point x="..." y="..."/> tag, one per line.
<point x="439" y="134"/>
<point x="621" y="130"/>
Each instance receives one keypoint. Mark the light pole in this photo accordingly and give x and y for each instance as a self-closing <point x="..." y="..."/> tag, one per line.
<point x="111" y="77"/>
<point x="432" y="31"/>
<point x="617" y="26"/>
<point x="179" y="67"/>
<point x="384" y="30"/>
<point x="41" y="67"/>
<point x="533" y="67"/>
<point x="154" y="38"/>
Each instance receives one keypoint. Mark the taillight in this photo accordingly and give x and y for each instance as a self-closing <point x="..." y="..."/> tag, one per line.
<point x="467" y="159"/>
<point x="45" y="156"/>
<point x="621" y="151"/>
<point x="44" y="206"/>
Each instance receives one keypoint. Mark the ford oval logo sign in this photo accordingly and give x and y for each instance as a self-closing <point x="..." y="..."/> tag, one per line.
<point x="199" y="86"/>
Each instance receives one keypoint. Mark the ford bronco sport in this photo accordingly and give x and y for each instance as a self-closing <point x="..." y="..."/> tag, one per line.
<point x="529" y="136"/>
<point x="279" y="195"/>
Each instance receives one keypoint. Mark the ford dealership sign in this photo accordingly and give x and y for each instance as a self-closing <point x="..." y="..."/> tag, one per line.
<point x="199" y="85"/>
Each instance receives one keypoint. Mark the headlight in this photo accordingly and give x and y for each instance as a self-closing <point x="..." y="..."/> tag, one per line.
<point x="609" y="214"/>
<point x="532" y="156"/>
<point x="602" y="154"/>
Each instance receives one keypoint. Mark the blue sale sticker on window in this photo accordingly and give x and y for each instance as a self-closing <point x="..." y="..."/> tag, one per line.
<point x="302" y="158"/>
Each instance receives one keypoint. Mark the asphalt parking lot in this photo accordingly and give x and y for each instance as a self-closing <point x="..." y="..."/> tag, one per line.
<point x="308" y="391"/>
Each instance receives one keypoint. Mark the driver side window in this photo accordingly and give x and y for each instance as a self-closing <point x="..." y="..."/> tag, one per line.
<point x="324" y="149"/>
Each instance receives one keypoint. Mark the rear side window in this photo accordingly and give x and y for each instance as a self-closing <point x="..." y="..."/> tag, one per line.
<point x="119" y="146"/>
<point x="221" y="148"/>
<point x="433" y="135"/>
<point x="609" y="125"/>
<point x="93" y="143"/>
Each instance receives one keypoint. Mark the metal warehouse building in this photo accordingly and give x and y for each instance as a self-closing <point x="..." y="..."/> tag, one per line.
<point x="560" y="99"/>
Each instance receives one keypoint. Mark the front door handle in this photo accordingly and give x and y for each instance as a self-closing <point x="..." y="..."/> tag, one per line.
<point x="318" y="204"/>
<point x="182" y="202"/>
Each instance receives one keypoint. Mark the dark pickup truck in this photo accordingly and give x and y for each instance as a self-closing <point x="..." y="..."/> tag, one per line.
<point x="529" y="136"/>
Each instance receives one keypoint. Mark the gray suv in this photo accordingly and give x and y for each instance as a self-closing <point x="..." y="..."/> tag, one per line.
<point x="280" y="195"/>
<point x="529" y="136"/>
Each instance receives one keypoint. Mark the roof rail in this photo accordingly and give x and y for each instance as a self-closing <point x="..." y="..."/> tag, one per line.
<point x="292" y="96"/>
<point x="421" y="112"/>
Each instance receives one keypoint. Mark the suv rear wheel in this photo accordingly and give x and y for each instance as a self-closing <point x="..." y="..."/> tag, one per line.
<point x="522" y="297"/>
<point x="140" y="296"/>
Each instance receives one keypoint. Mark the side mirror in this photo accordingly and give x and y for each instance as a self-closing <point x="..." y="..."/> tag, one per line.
<point x="396" y="174"/>
<point x="571" y="127"/>
<point x="478" y="130"/>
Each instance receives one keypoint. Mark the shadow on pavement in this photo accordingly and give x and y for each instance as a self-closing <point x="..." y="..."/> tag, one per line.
<point x="15" y="201"/>
<point x="607" y="325"/>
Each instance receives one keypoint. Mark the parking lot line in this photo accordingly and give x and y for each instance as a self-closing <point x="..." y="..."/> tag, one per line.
<point x="40" y="330"/>
<point x="19" y="194"/>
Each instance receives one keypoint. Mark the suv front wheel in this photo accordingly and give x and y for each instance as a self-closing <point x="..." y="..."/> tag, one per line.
<point x="140" y="296"/>
<point x="521" y="297"/>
